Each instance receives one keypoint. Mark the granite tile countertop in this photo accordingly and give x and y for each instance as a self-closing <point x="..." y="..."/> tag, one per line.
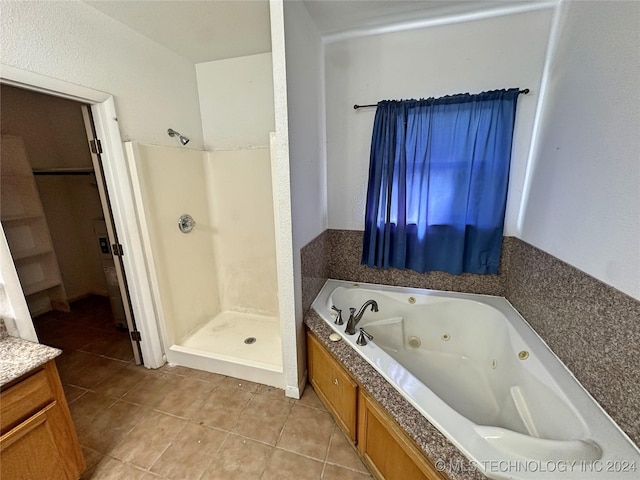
<point x="442" y="453"/>
<point x="18" y="356"/>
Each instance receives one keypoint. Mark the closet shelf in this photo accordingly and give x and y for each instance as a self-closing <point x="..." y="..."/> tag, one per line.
<point x="31" y="252"/>
<point x="41" y="286"/>
<point x="27" y="232"/>
<point x="21" y="218"/>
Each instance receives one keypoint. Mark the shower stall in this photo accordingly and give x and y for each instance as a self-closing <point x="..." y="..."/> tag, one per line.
<point x="214" y="279"/>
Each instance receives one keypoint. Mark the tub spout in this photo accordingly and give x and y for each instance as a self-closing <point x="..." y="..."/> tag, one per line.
<point x="354" y="318"/>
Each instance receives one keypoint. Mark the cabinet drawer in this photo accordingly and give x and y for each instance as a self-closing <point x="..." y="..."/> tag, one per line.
<point x="23" y="399"/>
<point x="334" y="386"/>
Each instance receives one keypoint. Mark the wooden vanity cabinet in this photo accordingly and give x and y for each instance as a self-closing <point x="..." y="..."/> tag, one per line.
<point x="38" y="439"/>
<point x="388" y="452"/>
<point x="385" y="449"/>
<point x="333" y="385"/>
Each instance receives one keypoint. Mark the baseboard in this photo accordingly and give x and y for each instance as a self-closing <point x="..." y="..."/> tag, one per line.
<point x="296" y="392"/>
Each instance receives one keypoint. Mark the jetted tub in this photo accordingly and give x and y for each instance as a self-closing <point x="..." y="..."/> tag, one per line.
<point x="480" y="374"/>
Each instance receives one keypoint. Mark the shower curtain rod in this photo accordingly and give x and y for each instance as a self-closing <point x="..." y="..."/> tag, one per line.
<point x="356" y="107"/>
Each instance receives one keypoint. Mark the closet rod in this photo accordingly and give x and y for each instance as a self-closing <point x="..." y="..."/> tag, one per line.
<point x="356" y="107"/>
<point x="64" y="171"/>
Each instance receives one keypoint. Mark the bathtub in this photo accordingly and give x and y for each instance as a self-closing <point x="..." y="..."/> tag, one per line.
<point x="480" y="374"/>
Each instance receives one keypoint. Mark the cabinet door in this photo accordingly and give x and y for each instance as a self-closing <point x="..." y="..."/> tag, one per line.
<point x="37" y="439"/>
<point x="386" y="449"/>
<point x="29" y="451"/>
<point x="333" y="385"/>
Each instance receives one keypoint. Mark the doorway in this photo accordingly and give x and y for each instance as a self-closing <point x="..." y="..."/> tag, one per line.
<point x="61" y="234"/>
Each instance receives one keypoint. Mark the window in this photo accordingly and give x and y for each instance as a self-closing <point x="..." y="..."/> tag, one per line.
<point x="438" y="179"/>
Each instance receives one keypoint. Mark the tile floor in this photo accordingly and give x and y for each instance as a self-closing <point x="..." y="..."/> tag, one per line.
<point x="178" y="423"/>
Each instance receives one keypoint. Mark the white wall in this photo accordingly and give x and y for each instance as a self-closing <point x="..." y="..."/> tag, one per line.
<point x="172" y="182"/>
<point x="305" y="94"/>
<point x="243" y="232"/>
<point x="306" y="153"/>
<point x="154" y="88"/>
<point x="236" y="105"/>
<point x="473" y="56"/>
<point x="584" y="202"/>
<point x="237" y="109"/>
<point x="236" y="102"/>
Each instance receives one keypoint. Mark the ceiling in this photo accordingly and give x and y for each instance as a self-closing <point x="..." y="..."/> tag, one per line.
<point x="208" y="30"/>
<point x="198" y="30"/>
<point x="340" y="16"/>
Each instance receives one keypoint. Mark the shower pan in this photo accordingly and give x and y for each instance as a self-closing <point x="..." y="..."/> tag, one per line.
<point x="207" y="222"/>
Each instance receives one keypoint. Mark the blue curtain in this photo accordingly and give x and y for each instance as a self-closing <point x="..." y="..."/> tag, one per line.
<point x="438" y="176"/>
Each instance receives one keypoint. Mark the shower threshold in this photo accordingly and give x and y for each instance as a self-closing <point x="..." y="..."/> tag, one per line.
<point x="219" y="346"/>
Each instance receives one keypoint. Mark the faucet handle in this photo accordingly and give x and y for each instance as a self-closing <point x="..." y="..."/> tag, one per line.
<point x="363" y="337"/>
<point x="338" y="320"/>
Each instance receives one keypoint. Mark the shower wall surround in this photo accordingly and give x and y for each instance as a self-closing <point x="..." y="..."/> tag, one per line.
<point x="593" y="328"/>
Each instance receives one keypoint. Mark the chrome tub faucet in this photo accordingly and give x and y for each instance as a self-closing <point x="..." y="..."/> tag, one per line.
<point x="354" y="318"/>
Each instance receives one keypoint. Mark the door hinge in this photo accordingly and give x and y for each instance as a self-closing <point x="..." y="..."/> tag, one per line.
<point x="117" y="250"/>
<point x="96" y="146"/>
<point x="135" y="336"/>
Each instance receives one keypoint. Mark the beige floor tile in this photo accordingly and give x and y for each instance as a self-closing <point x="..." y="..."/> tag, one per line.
<point x="104" y="342"/>
<point x="343" y="453"/>
<point x="239" y="459"/>
<point x="94" y="371"/>
<point x="244" y="385"/>
<point x="153" y="389"/>
<point x="190" y="452"/>
<point x="72" y="393"/>
<point x="335" y="472"/>
<point x="174" y="369"/>
<point x="121" y="349"/>
<point x="73" y="339"/>
<point x="143" y="445"/>
<point x="263" y="419"/>
<point x="213" y="378"/>
<point x="121" y="381"/>
<point x="270" y="391"/>
<point x="151" y="476"/>
<point x="188" y="396"/>
<point x="291" y="466"/>
<point x="307" y="431"/>
<point x="111" y="469"/>
<point x="223" y="408"/>
<point x="91" y="461"/>
<point x="141" y="415"/>
<point x="109" y="427"/>
<point x="88" y="407"/>
<point x="71" y="361"/>
<point x="310" y="399"/>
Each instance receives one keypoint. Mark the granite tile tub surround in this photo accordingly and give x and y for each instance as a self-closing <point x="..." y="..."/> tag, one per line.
<point x="314" y="261"/>
<point x="593" y="328"/>
<point x="336" y="254"/>
<point x="435" y="446"/>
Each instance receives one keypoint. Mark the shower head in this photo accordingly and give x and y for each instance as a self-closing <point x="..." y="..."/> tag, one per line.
<point x="172" y="133"/>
